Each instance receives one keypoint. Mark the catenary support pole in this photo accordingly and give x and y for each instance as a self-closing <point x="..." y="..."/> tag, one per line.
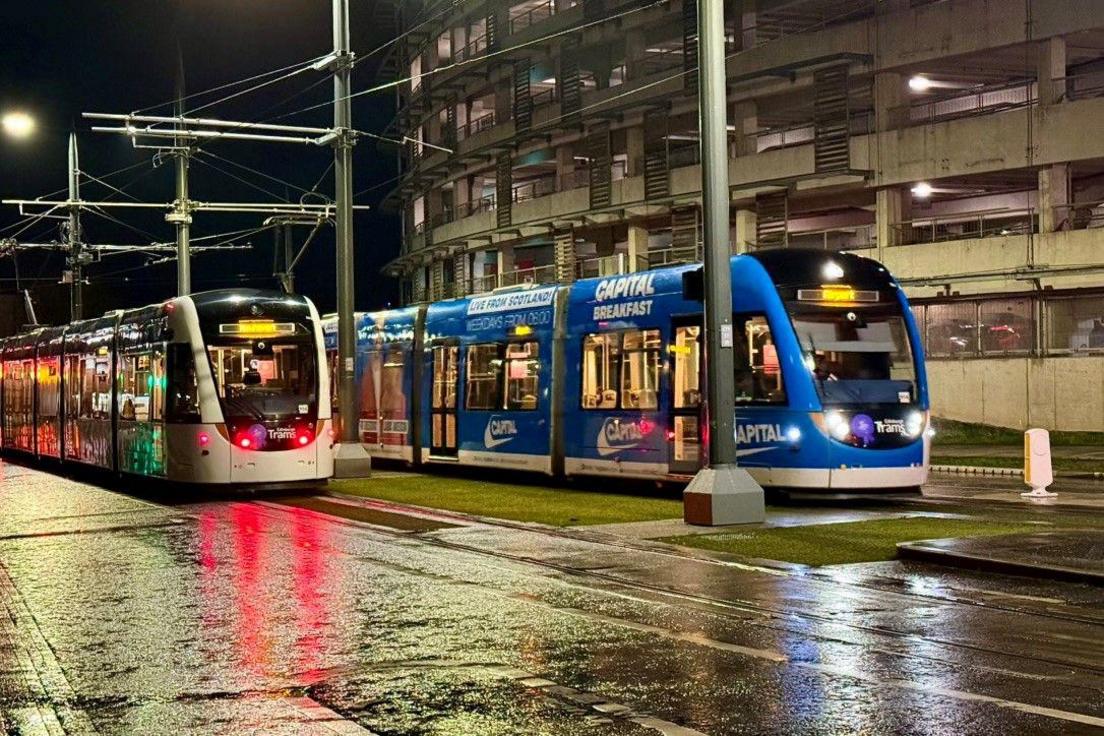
<point x="76" y="264"/>
<point x="721" y="493"/>
<point x="351" y="459"/>
<point x="181" y="215"/>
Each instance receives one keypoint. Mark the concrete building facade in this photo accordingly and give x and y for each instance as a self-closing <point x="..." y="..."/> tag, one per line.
<point x="957" y="141"/>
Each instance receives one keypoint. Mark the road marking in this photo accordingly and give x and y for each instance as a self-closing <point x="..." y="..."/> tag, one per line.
<point x="318" y="714"/>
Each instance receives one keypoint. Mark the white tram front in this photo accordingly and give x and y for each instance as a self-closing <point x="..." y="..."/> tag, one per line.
<point x="221" y="387"/>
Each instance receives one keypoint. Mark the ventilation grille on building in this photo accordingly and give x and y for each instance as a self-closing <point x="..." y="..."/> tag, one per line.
<point x="690" y="45"/>
<point x="523" y="98"/>
<point x="492" y="31"/>
<point x="504" y="190"/>
<point x="571" y="88"/>
<point x="657" y="179"/>
<point x="771" y="214"/>
<point x="564" y="253"/>
<point x="685" y="234"/>
<point x="450" y="124"/>
<point x="832" y="135"/>
<point x="598" y="153"/>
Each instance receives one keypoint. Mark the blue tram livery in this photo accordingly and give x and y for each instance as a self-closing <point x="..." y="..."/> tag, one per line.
<point x="605" y="376"/>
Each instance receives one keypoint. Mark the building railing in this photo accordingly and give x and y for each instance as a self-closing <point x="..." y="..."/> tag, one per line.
<point x="534" y="188"/>
<point x="655" y="61"/>
<point x="967" y="225"/>
<point x="1082" y="86"/>
<point x="525" y="18"/>
<point x="534" y="275"/>
<point x="473" y="48"/>
<point x="851" y="237"/>
<point x="1079" y="216"/>
<point x="544" y="96"/>
<point x="475" y="125"/>
<point x="672" y="256"/>
<point x="611" y="265"/>
<point x="971" y="102"/>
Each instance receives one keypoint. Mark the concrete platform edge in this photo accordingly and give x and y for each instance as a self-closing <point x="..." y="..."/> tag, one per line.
<point x="923" y="553"/>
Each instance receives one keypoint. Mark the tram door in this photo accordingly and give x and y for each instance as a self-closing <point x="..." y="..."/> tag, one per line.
<point x="685" y="429"/>
<point x="446" y="382"/>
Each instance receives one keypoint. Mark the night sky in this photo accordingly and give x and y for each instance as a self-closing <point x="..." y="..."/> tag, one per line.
<point x="60" y="58"/>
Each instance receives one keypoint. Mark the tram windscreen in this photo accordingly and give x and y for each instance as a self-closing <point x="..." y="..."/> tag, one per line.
<point x="266" y="379"/>
<point x="857" y="356"/>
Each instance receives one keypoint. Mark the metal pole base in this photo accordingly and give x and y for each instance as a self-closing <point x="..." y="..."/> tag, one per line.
<point x="724" y="494"/>
<point x="351" y="460"/>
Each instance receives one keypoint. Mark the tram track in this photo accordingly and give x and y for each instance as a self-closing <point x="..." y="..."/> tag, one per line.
<point x="750" y="610"/>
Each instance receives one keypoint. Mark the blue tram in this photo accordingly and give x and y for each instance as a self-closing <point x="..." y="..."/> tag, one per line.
<point x="605" y="376"/>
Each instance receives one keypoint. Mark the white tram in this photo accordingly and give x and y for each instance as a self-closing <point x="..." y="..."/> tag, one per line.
<point x="222" y="387"/>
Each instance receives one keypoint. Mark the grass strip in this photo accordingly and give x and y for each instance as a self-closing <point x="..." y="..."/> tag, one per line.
<point x="517" y="502"/>
<point x="837" y="544"/>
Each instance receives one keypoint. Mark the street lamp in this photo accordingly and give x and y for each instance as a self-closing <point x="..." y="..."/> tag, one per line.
<point x="18" y="125"/>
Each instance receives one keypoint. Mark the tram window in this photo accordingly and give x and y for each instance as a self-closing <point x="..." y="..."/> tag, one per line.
<point x="758" y="372"/>
<point x="73" y="375"/>
<point x="484" y="390"/>
<point x="141" y="396"/>
<point x="445" y="376"/>
<point x="686" y="350"/>
<point x="601" y="353"/>
<point x="522" y="375"/>
<point x="368" y="384"/>
<point x="286" y="369"/>
<point x="392" y="396"/>
<point x="183" y="386"/>
<point x="640" y="369"/>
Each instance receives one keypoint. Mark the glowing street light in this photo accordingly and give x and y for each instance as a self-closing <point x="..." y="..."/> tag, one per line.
<point x="920" y="83"/>
<point x="922" y="190"/>
<point x="18" y="125"/>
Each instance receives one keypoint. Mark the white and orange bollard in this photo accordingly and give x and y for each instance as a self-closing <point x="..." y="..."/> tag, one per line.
<point x="1038" y="471"/>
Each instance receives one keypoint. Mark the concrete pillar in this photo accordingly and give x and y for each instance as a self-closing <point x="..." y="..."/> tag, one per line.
<point x="603" y="241"/>
<point x="891" y="211"/>
<point x="890" y="100"/>
<point x="637" y="255"/>
<point x="1052" y="70"/>
<point x="437" y="280"/>
<point x="504" y="103"/>
<point x="746" y="235"/>
<point x="748" y="22"/>
<point x="635" y="46"/>
<point x="461" y="192"/>
<point x="1054" y="196"/>
<point x="505" y="260"/>
<point x="745" y="116"/>
<point x="634" y="150"/>
<point x="565" y="166"/>
<point x="434" y="207"/>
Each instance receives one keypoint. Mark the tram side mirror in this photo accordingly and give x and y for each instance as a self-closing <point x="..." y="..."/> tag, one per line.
<point x="693" y="287"/>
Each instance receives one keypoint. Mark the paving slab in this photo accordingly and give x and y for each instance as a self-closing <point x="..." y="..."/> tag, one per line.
<point x="1076" y="555"/>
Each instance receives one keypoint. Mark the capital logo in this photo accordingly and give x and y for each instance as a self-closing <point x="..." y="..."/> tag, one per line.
<point x="617" y="435"/>
<point x="499" y="431"/>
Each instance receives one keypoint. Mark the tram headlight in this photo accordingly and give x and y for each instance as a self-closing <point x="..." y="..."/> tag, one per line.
<point x="837" y="425"/>
<point x="914" y="424"/>
<point x="203" y="439"/>
<point x="793" y="434"/>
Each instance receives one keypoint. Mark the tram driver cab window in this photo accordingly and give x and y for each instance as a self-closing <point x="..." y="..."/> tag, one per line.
<point x="758" y="372"/>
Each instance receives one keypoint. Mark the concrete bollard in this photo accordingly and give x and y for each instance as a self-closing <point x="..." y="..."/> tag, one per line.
<point x="1038" y="472"/>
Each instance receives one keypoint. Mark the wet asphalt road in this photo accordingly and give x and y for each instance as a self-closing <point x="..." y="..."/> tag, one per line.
<point x="122" y="616"/>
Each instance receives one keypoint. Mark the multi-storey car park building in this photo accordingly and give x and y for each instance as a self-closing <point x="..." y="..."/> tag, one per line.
<point x="960" y="142"/>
